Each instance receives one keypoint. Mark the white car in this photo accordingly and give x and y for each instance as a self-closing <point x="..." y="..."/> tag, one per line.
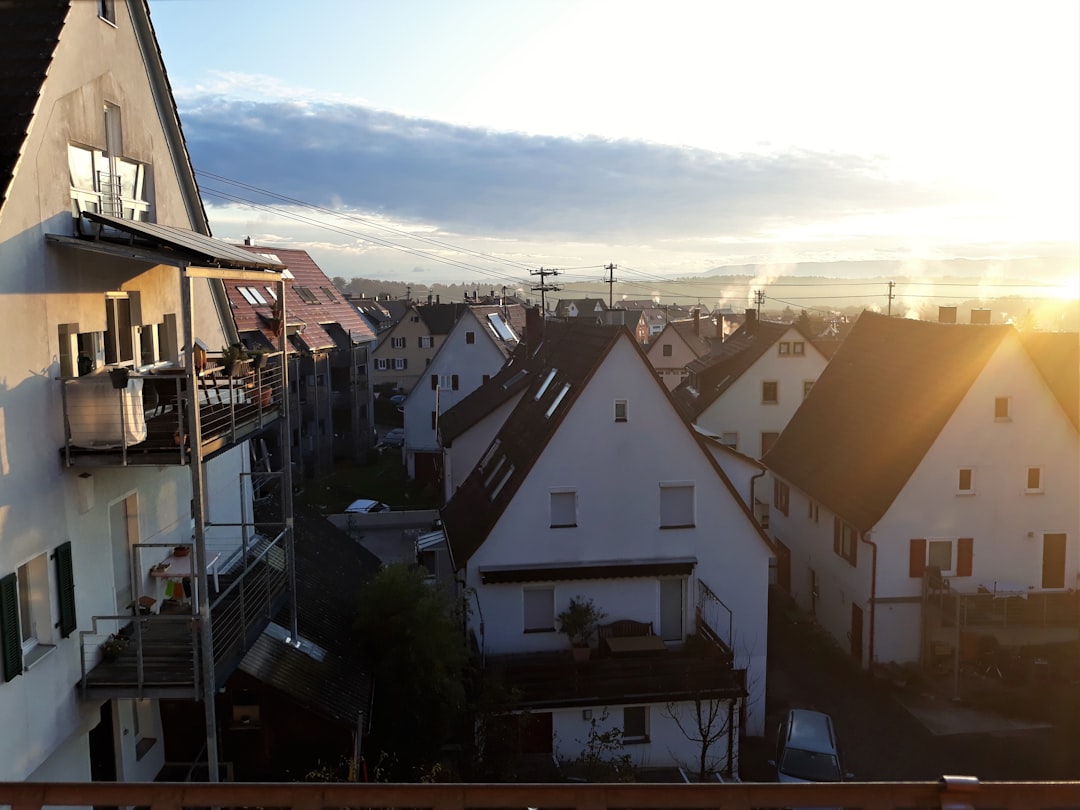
<point x="394" y="437"/>
<point x="366" y="505"/>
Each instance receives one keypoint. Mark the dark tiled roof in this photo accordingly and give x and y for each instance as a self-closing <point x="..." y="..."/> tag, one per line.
<point x="255" y="318"/>
<point x="574" y="351"/>
<point x="31" y="30"/>
<point x="585" y="306"/>
<point x="512" y="314"/>
<point x="691" y="332"/>
<point x="1057" y="357"/>
<point x="876" y="409"/>
<point x="440" y="318"/>
<point x="330" y="568"/>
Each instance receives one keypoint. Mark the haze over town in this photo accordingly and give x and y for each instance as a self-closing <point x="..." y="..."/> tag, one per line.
<point x="426" y="142"/>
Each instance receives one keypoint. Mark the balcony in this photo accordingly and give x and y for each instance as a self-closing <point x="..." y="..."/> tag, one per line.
<point x="147" y="421"/>
<point x="158" y="654"/>
<point x="958" y="792"/>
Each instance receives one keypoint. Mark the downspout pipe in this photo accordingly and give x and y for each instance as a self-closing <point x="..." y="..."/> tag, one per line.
<point x="753" y="481"/>
<point x="865" y="537"/>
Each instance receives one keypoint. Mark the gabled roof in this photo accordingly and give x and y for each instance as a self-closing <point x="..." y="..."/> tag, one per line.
<point x="491" y="316"/>
<point x="440" y="318"/>
<point x="315" y="318"/>
<point x="876" y="410"/>
<point x="1057" y="357"/>
<point x="558" y="371"/>
<point x="515" y="375"/>
<point x="690" y="332"/>
<point x="711" y="376"/>
<point x="590" y="307"/>
<point x="31" y="32"/>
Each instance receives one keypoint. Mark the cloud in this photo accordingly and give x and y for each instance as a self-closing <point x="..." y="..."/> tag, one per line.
<point x="472" y="181"/>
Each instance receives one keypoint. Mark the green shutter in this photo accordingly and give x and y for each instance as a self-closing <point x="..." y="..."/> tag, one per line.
<point x="65" y="582"/>
<point x="10" y="640"/>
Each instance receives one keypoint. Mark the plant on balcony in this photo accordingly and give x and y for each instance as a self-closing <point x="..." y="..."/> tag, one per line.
<point x="578" y="621"/>
<point x="231" y="356"/>
<point x="259" y="355"/>
<point x="114" y="646"/>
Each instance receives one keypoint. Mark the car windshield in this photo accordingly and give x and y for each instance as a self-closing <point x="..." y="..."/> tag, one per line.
<point x="810" y="766"/>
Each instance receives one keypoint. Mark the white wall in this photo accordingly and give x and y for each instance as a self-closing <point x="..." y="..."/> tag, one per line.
<point x="468" y="448"/>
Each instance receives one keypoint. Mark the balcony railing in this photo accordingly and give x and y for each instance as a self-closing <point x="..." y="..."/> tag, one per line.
<point x="959" y="793"/>
<point x="157" y="654"/>
<point x="142" y="418"/>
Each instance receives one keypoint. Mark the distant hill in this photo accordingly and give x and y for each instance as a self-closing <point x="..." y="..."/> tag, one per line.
<point x="1050" y="269"/>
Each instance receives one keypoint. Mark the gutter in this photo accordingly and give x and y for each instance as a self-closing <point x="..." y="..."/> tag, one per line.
<point x="865" y="537"/>
<point x="753" y="481"/>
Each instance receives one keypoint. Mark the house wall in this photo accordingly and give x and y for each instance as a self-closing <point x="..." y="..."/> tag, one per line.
<point x="468" y="448"/>
<point x="41" y="286"/>
<point x="411" y="327"/>
<point x="671" y="370"/>
<point x="618" y="519"/>
<point x="740" y="407"/>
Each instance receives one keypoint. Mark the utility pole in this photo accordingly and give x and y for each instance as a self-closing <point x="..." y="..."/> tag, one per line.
<point x="544" y="286"/>
<point x="891" y="285"/>
<point x="610" y="281"/>
<point x="759" y="299"/>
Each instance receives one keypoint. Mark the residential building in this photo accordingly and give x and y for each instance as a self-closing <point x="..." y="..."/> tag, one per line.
<point x="644" y="523"/>
<point x="591" y="308"/>
<point x="404" y="350"/>
<point x="131" y="570"/>
<point x="749" y="388"/>
<point x="330" y="401"/>
<point x="677" y="345"/>
<point x="474" y="351"/>
<point x="925" y="492"/>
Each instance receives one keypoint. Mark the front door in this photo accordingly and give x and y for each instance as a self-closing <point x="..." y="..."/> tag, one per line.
<point x="856" y="632"/>
<point x="1053" y="563"/>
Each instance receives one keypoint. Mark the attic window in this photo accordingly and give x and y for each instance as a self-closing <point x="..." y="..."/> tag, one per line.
<point x="1001" y="409"/>
<point x="329" y="294"/>
<point x="620" y="410"/>
<point x="272" y="291"/>
<point x="785" y="348"/>
<point x="544" y="385"/>
<point x="798" y="348"/>
<point x="306" y="295"/>
<point x="556" y="401"/>
<point x="251" y="295"/>
<point x="502" y="482"/>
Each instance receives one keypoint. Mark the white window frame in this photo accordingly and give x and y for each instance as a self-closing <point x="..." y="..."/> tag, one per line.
<point x="427" y="341"/>
<point x="784" y="348"/>
<point x="538" y="610"/>
<point x="940" y="542"/>
<point x="563" y="502"/>
<point x="558" y="399"/>
<point x="382" y="364"/>
<point x="399" y="364"/>
<point x="397" y="342"/>
<point x="798" y="348"/>
<point x="544" y="385"/>
<point x="970" y="489"/>
<point x="446" y="382"/>
<point x="35" y="608"/>
<point x="677" y="505"/>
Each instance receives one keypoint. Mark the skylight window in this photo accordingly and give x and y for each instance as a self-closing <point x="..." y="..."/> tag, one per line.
<point x="544" y="385"/>
<point x="495" y="471"/>
<point x="329" y="294"/>
<point x="502" y="483"/>
<point x="490" y="453"/>
<point x="501" y="329"/>
<point x="252" y="295"/>
<point x="557" y="400"/>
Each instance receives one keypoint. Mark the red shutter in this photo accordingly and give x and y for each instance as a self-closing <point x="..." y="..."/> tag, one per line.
<point x="434" y="381"/>
<point x="453" y="381"/>
<point x="917" y="558"/>
<point x="964" y="556"/>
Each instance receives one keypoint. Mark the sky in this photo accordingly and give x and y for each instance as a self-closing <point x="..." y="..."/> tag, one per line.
<point x="475" y="140"/>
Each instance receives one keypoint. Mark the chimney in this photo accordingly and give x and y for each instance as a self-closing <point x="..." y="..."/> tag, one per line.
<point x="429" y="299"/>
<point x="720" y="326"/>
<point x="436" y="299"/>
<point x="980" y="316"/>
<point x="750" y="324"/>
<point x="532" y="327"/>
<point x="946" y="314"/>
<point x="247" y="241"/>
<point x="697" y="322"/>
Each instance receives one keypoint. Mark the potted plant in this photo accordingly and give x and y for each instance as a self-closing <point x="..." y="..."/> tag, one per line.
<point x="230" y="356"/>
<point x="114" y="646"/>
<point x="578" y="621"/>
<point x="259" y="356"/>
<point x="119" y="376"/>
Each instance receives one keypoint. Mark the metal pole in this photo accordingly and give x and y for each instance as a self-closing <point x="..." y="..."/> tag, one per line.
<point x="286" y="464"/>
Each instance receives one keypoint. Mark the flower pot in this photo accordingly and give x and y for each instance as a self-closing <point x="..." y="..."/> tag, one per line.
<point x="258" y="360"/>
<point x="266" y="396"/>
<point x="119" y="377"/>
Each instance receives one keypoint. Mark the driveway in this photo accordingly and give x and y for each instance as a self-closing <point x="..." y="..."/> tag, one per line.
<point x="890" y="733"/>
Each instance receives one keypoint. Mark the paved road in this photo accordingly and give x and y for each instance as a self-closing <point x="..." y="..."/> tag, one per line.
<point x="882" y="739"/>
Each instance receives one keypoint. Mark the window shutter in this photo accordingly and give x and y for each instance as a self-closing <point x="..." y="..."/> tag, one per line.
<point x="917" y="558"/>
<point x="405" y="363"/>
<point x="10" y="642"/>
<point x="65" y="581"/>
<point x="836" y="535"/>
<point x="434" y="381"/>
<point x="454" y="381"/>
<point x="965" y="553"/>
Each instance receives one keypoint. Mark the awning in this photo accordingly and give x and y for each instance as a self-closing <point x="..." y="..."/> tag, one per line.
<point x="168" y="245"/>
<point x="615" y="569"/>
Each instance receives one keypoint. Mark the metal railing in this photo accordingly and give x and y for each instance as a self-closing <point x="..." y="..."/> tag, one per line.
<point x="956" y="793"/>
<point x="714" y="618"/>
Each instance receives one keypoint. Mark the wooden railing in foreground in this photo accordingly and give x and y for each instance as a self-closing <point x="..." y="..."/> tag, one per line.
<point x="950" y="792"/>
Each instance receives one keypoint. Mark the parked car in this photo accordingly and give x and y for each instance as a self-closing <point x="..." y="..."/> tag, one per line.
<point x="807" y="749"/>
<point x="398" y="399"/>
<point x="394" y="437"/>
<point x="367" y="505"/>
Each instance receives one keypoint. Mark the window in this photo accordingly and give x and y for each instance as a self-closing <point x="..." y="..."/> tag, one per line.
<point x="1001" y="409"/>
<point x="470" y="338"/>
<point x="329" y="294"/>
<point x="397" y="343"/>
<point x="119" y="332"/>
<point x="813" y="512"/>
<point x="635" y="724"/>
<point x="107" y="10"/>
<point x="965" y="481"/>
<point x="768" y="439"/>
<point x="502" y="482"/>
<point x="798" y="348"/>
<point x="484" y="379"/>
<point x="730" y="439"/>
<point x="26" y="620"/>
<point x="400" y="364"/>
<point x="781" y="496"/>
<point x="563" y="508"/>
<point x="620" y="410"/>
<point x="103" y="182"/>
<point x="306" y="295"/>
<point x="1034" y="481"/>
<point x="544" y="385"/>
<point x="806" y="386"/>
<point x="381" y="364"/>
<point x="251" y="295"/>
<point x="676" y="505"/>
<point x="425" y="341"/>
<point x="845" y="541"/>
<point x="666" y="350"/>
<point x="770" y="392"/>
<point x="784" y="348"/>
<point x="555" y="402"/>
<point x="950" y="557"/>
<point x="539" y="604"/>
<point x="271" y="292"/>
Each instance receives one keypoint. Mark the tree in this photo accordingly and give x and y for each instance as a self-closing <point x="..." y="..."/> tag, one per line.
<point x="412" y="635"/>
